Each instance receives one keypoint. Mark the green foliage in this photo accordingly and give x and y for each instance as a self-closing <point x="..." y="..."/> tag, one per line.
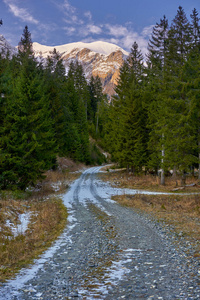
<point x="27" y="138"/>
<point x="153" y="121"/>
<point x="43" y="114"/>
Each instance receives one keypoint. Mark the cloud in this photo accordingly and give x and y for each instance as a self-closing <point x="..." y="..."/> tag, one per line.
<point x="70" y="13"/>
<point x="83" y="27"/>
<point x="88" y="15"/>
<point x="125" y="36"/>
<point x="70" y="30"/>
<point x="116" y="30"/>
<point x="21" y="13"/>
<point x="147" y="31"/>
<point x="89" y="29"/>
<point x="94" y="29"/>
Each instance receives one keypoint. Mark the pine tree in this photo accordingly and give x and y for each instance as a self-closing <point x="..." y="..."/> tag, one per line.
<point x="128" y="134"/>
<point x="56" y="89"/>
<point x="174" y="110"/>
<point x="179" y="40"/>
<point x="156" y="62"/>
<point x="78" y="97"/>
<point x="27" y="138"/>
<point x="96" y="97"/>
<point x="195" y="28"/>
<point x="25" y="46"/>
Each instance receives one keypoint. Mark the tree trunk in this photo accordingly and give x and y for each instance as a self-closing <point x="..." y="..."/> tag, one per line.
<point x="174" y="175"/>
<point x="199" y="161"/>
<point x="183" y="179"/>
<point x="133" y="170"/>
<point x="162" y="179"/>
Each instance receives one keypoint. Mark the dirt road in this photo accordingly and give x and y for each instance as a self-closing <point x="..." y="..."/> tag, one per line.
<point x="107" y="252"/>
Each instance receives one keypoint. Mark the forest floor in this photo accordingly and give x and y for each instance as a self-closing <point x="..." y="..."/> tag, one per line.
<point x="180" y="209"/>
<point x="30" y="221"/>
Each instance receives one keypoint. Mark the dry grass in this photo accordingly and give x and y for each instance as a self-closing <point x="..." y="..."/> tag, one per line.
<point x="48" y="217"/>
<point x="182" y="212"/>
<point x="121" y="178"/>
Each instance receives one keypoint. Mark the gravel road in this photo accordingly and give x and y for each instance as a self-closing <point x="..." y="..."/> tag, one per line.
<point x="108" y="252"/>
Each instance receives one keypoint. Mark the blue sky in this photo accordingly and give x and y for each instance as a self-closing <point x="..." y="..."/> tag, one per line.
<point x="57" y="22"/>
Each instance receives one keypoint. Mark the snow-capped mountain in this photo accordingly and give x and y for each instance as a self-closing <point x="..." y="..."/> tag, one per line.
<point x="6" y="47"/>
<point x="97" y="58"/>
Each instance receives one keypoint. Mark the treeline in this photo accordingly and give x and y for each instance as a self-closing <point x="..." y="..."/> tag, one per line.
<point x="154" y="119"/>
<point x="44" y="114"/>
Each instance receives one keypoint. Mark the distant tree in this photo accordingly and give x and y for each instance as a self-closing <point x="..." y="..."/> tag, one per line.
<point x="25" y="44"/>
<point x="96" y="96"/>
<point x="55" y="81"/>
<point x="1" y="22"/>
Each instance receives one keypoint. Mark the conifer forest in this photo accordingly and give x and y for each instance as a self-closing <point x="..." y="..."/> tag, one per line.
<point x="151" y="123"/>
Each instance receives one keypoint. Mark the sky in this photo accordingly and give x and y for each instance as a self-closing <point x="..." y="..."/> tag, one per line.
<point x="58" y="22"/>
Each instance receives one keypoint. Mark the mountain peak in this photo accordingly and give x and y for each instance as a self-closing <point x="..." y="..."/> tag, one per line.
<point x="97" y="58"/>
<point x="6" y="47"/>
<point x="98" y="47"/>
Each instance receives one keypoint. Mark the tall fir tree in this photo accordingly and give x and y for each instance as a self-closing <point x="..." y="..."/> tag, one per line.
<point x="27" y="146"/>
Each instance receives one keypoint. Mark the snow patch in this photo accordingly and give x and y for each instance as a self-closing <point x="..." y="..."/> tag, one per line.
<point x="20" y="228"/>
<point x="97" y="47"/>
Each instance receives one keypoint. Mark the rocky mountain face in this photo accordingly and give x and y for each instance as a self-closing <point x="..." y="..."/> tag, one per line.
<point x="5" y="47"/>
<point x="99" y="58"/>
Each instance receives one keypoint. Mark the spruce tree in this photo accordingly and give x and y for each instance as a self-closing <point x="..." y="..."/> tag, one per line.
<point x="174" y="111"/>
<point x="179" y="40"/>
<point x="156" y="71"/>
<point x="128" y="134"/>
<point x="55" y="79"/>
<point x="78" y="98"/>
<point x="27" y="138"/>
<point x="96" y="97"/>
<point x="195" y="28"/>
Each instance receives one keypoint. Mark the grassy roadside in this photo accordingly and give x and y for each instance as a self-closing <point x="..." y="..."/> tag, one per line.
<point x="181" y="212"/>
<point x="47" y="219"/>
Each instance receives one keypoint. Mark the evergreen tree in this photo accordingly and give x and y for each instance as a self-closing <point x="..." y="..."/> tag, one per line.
<point x="156" y="62"/>
<point x="96" y="97"/>
<point x="195" y="28"/>
<point x="78" y="97"/>
<point x="56" y="89"/>
<point x="25" y="46"/>
<point x="27" y="146"/>
<point x="128" y="132"/>
<point x="179" y="40"/>
<point x="173" y="123"/>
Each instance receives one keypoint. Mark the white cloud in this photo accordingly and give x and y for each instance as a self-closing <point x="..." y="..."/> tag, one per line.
<point x="82" y="26"/>
<point x="70" y="13"/>
<point x="125" y="37"/>
<point x="21" y="13"/>
<point x="94" y="29"/>
<point x="116" y="30"/>
<point x="70" y="30"/>
<point x="88" y="15"/>
<point x="147" y="31"/>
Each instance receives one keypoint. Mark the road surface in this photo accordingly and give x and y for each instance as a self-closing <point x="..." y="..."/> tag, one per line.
<point x="107" y="252"/>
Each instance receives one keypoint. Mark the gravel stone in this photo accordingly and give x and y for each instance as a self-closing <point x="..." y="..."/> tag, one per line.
<point x="110" y="252"/>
